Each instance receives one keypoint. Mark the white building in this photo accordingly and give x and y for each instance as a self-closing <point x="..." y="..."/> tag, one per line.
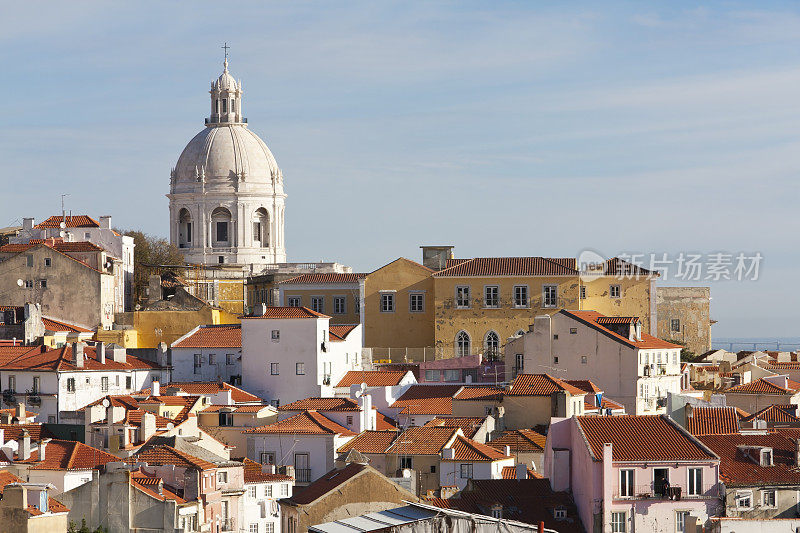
<point x="464" y="459"/>
<point x="634" y="368"/>
<point x="80" y="228"/>
<point x="209" y="353"/>
<point x="291" y="353"/>
<point x="263" y="489"/>
<point x="56" y="383"/>
<point x="384" y="386"/>
<point x="226" y="199"/>
<point x="357" y="416"/>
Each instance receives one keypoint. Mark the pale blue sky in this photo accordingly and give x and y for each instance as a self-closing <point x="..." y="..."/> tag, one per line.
<point x="503" y="128"/>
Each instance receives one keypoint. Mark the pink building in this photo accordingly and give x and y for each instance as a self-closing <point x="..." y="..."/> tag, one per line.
<point x="633" y="473"/>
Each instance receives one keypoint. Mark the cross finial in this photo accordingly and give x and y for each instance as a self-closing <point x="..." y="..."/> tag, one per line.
<point x="225" y="47"/>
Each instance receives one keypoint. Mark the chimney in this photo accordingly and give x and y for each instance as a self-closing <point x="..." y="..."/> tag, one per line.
<point x="148" y="425"/>
<point x="260" y="309"/>
<point x="156" y="388"/>
<point x="77" y="354"/>
<point x="508" y="451"/>
<point x="448" y="453"/>
<point x="118" y="354"/>
<point x="268" y="469"/>
<point x="521" y="471"/>
<point x="114" y="414"/>
<point x="42" y="446"/>
<point x="161" y="355"/>
<point x="27" y="223"/>
<point x="797" y="452"/>
<point x="20" y="412"/>
<point x="100" y="349"/>
<point x="105" y="221"/>
<point x="24" y="446"/>
<point x="435" y="257"/>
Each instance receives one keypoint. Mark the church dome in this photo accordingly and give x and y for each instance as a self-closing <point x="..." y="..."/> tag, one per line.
<point x="222" y="153"/>
<point x="226" y="82"/>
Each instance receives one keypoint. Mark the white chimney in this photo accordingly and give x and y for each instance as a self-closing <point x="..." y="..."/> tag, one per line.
<point x="268" y="469"/>
<point x="42" y="446"/>
<point x="521" y="471"/>
<point x="27" y="223"/>
<point x="508" y="451"/>
<point x="156" y="388"/>
<point x="20" y="413"/>
<point x="24" y="446"/>
<point x="448" y="453"/>
<point x="77" y="354"/>
<point x="100" y="349"/>
<point x="148" y="425"/>
<point x="105" y="221"/>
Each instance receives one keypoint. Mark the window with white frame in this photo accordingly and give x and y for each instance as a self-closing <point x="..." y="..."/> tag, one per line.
<point x="198" y="363"/>
<point x="269" y="527"/>
<point x="695" y="485"/>
<point x="626" y="483"/>
<point x="253" y="527"/>
<point x="497" y="511"/>
<point x="70" y="384"/>
<point x="452" y="374"/>
<point x="222" y="477"/>
<point x="268" y="458"/>
<point x="768" y="498"/>
<point x="549" y="295"/>
<point x="300" y="369"/>
<point x="293" y="301"/>
<point x="433" y="375"/>
<point x="463" y="344"/>
<point x="520" y="296"/>
<point x="104" y="383"/>
<point x="465" y="471"/>
<point x="619" y="522"/>
<point x="318" y="304"/>
<point x="680" y="520"/>
<point x="766" y="457"/>
<point x="583" y="292"/>
<point x="268" y="490"/>
<point x="491" y="344"/>
<point x="387" y="302"/>
<point x="416" y="302"/>
<point x="675" y="325"/>
<point x="744" y="499"/>
<point x="273" y="369"/>
<point x="230" y="359"/>
<point x="462" y="296"/>
<point x="560" y="513"/>
<point x="251" y="491"/>
<point x="284" y="489"/>
<point x="491" y="296"/>
<point x="614" y="291"/>
<point x="339" y="305"/>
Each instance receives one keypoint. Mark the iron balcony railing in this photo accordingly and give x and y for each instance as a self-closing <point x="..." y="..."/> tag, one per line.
<point x="302" y="475"/>
<point x="673" y="492"/>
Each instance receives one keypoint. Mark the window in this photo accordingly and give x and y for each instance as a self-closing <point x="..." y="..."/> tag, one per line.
<point x="273" y="369"/>
<point x="43" y="283"/>
<point x="28" y="283"/>
<point x="462" y="344"/>
<point x="452" y="374"/>
<point x="406" y="462"/>
<point x="356" y="305"/>
<point x="251" y="493"/>
<point x="492" y="344"/>
<point x="36" y="384"/>
<point x="230" y="358"/>
<point x="519" y="362"/>
<point x="768" y="498"/>
<point x="416" y="302"/>
<point x="70" y="384"/>
<point x="433" y="469"/>
<point x="584" y="360"/>
<point x="226" y="419"/>
<point x="675" y="325"/>
<point x="520" y="296"/>
<point x="269" y="527"/>
<point x="268" y="491"/>
<point x="294" y="301"/>
<point x="87" y="235"/>
<point x="497" y="511"/>
<point x="276" y="335"/>
<point x="253" y="527"/>
<point x="491" y="296"/>
<point x="257" y="231"/>
<point x="128" y="382"/>
<point x="104" y="383"/>
<point x="744" y="499"/>
<point x="462" y="296"/>
<point x="300" y="369"/>
<point x="198" y="362"/>
<point x="766" y="457"/>
<point x="433" y="375"/>
<point x="339" y="306"/>
<point x="318" y="303"/>
<point x="29" y="260"/>
<point x="560" y="513"/>
<point x="387" y="302"/>
<point x="268" y="458"/>
<point x="51" y="419"/>
<point x="224" y="105"/>
<point x="48" y="262"/>
<point x="465" y="471"/>
<point x="284" y="489"/>
<point x="680" y="520"/>
<point x="349" y="420"/>
<point x="221" y="259"/>
<point x="573" y="331"/>
<point x="555" y="360"/>
<point x="222" y="231"/>
<point x="619" y="522"/>
<point x="626" y="483"/>
<point x="212" y="359"/>
<point x="614" y="291"/>
<point x="695" y="485"/>
<point x="222" y="477"/>
<point x="549" y="295"/>
<point x="583" y="292"/>
<point x="12" y="383"/>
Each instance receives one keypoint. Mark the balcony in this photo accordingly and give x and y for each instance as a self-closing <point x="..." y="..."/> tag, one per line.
<point x="302" y="475"/>
<point x="675" y="492"/>
<point x="227" y="524"/>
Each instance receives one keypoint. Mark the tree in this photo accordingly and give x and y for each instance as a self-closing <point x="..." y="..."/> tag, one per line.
<point x="151" y="250"/>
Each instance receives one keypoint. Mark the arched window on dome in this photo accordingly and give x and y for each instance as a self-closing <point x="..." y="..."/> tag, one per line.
<point x="184" y="228"/>
<point x="463" y="344"/>
<point x="261" y="228"/>
<point x="491" y="345"/>
<point x="220" y="226"/>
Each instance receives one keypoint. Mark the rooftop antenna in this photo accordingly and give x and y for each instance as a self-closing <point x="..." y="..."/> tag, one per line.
<point x="63" y="212"/>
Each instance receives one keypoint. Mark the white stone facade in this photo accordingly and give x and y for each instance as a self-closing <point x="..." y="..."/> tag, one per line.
<point x="226" y="198"/>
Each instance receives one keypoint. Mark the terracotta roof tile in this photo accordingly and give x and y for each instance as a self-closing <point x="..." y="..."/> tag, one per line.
<point x="422" y="440"/>
<point x="776" y="414"/>
<point x="253" y="473"/>
<point x="585" y="385"/>
<point x="510" y="472"/>
<point x="218" y="336"/>
<point x="167" y="455"/>
<point x="36" y="431"/>
<point x="469" y="425"/>
<point x="465" y="449"/>
<point x="712" y="421"/>
<point x="339" y="332"/>
<point x="737" y="469"/>
<point x="384" y="422"/>
<point x="60" y="359"/>
<point x="70" y="221"/>
<point x="641" y="438"/>
<point x="480" y="393"/>
<point x="305" y="423"/>
<point x="322" y="404"/>
<point x="57" y="325"/>
<point x="287" y="312"/>
<point x="540" y="385"/>
<point x="55" y="506"/>
<point x="373" y="378"/>
<point x="370" y="442"/>
<point x="427" y="400"/>
<point x="590" y="318"/>
<point x="520" y="440"/>
<point x="210" y="387"/>
<point x="236" y="408"/>
<point x="68" y="455"/>
<point x="511" y="266"/>
<point x="762" y="386"/>
<point x="333" y="277"/>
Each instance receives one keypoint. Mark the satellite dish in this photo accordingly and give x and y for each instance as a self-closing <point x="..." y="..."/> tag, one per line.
<point x="62" y="233"/>
<point x="106" y="403"/>
<point x="20" y="282"/>
<point x="62" y="225"/>
<point x="170" y="426"/>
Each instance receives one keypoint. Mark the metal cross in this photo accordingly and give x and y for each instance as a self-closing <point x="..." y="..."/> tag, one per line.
<point x="225" y="47"/>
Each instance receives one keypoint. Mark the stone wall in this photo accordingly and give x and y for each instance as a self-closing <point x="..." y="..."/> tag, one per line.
<point x="691" y="308"/>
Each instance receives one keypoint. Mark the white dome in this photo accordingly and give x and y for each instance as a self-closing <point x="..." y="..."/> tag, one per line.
<point x="226" y="82"/>
<point x="223" y="152"/>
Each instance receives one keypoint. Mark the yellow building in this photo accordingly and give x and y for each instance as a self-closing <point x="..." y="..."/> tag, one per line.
<point x="334" y="294"/>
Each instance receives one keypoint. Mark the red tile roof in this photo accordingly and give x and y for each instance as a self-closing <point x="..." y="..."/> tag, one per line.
<point x="480" y="393"/>
<point x="590" y="318"/>
<point x="465" y="449"/>
<point x="253" y="473"/>
<point x="339" y="332"/>
<point x="60" y="359"/>
<point x="19" y="248"/>
<point x="737" y="469"/>
<point x="68" y="455"/>
<point x="70" y="221"/>
<point x="327" y="483"/>
<point x="116" y="400"/>
<point x="585" y="385"/>
<point x="469" y="425"/>
<point x="712" y="421"/>
<point x="373" y="378"/>
<point x="520" y="440"/>
<point x="641" y="438"/>
<point x="370" y="442"/>
<point x="540" y="385"/>
<point x="510" y="266"/>
<point x="334" y="277"/>
<point x="776" y="414"/>
<point x="427" y="400"/>
<point x="54" y="506"/>
<point x="210" y="387"/>
<point x="322" y="404"/>
<point x="384" y="422"/>
<point x="57" y="325"/>
<point x="510" y="472"/>
<point x="762" y="386"/>
<point x="236" y="408"/>
<point x="167" y="455"/>
<point x="150" y="485"/>
<point x="218" y="336"/>
<point x="422" y="440"/>
<point x="288" y="312"/>
<point x="14" y="431"/>
<point x="305" y="423"/>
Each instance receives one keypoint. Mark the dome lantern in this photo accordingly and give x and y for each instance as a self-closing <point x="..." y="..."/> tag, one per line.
<point x="226" y="99"/>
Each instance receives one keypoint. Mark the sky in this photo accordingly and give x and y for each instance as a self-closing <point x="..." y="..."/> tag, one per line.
<point x="502" y="128"/>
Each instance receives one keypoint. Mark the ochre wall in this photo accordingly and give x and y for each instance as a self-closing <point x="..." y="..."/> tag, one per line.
<point x="351" y="295"/>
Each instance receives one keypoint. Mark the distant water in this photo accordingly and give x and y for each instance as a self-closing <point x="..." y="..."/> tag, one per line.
<point x="787" y="344"/>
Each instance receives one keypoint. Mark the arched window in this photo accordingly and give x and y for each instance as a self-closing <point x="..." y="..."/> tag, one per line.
<point x="220" y="225"/>
<point x="184" y="228"/>
<point x="261" y="228"/>
<point x="462" y="344"/>
<point x="491" y="345"/>
<point x="233" y="105"/>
